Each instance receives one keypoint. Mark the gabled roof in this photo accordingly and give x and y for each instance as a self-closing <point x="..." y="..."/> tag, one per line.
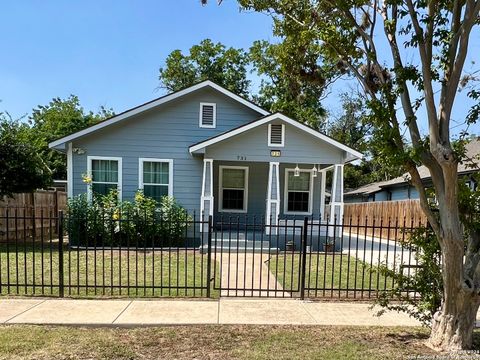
<point x="152" y="104"/>
<point x="472" y="153"/>
<point x="354" y="154"/>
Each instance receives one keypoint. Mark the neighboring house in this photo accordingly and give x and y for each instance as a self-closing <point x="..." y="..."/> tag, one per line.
<point x="400" y="188"/>
<point x="214" y="151"/>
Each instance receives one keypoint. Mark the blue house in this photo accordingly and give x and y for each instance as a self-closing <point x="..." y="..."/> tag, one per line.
<point x="400" y="187"/>
<point x="215" y="152"/>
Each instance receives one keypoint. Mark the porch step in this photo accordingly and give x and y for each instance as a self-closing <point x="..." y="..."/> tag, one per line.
<point x="240" y="246"/>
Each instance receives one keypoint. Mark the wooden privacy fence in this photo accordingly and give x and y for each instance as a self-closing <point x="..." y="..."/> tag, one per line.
<point x="27" y="213"/>
<point x="380" y="218"/>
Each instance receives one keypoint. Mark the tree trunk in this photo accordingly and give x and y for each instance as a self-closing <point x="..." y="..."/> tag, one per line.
<point x="452" y="326"/>
<point x="454" y="330"/>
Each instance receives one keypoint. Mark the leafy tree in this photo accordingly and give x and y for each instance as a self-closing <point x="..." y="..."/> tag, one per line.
<point x="21" y="167"/>
<point x="59" y="118"/>
<point x="351" y="127"/>
<point x="284" y="89"/>
<point x="350" y="35"/>
<point x="206" y="61"/>
<point x="279" y="91"/>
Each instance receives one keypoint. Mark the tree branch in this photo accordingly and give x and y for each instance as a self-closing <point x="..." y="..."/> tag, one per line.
<point x="458" y="49"/>
<point x="427" y="76"/>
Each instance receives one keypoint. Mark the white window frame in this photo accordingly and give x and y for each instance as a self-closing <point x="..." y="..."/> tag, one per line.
<point x="310" y="194"/>
<point x="200" y="123"/>
<point x="220" y="189"/>
<point x="141" y="184"/>
<point x="89" y="171"/>
<point x="270" y="136"/>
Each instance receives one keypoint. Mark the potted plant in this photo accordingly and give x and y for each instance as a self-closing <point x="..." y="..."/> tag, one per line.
<point x="290" y="245"/>
<point x="329" y="245"/>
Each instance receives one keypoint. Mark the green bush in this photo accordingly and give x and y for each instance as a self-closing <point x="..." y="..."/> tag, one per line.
<point x="106" y="221"/>
<point x="425" y="281"/>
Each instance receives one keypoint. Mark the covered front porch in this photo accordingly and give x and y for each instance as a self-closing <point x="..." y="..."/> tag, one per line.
<point x="273" y="172"/>
<point x="273" y="191"/>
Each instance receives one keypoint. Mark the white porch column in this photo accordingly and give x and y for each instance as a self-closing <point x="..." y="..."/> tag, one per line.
<point x="206" y="199"/>
<point x="323" y="183"/>
<point x="336" y="201"/>
<point x="273" y="197"/>
<point x="70" y="170"/>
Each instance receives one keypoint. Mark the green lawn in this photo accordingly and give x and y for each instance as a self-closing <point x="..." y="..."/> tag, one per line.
<point x="107" y="269"/>
<point x="213" y="342"/>
<point x="172" y="273"/>
<point x="329" y="273"/>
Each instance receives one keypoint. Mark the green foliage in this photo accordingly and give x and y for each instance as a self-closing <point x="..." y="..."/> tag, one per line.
<point x="425" y="281"/>
<point x="353" y="128"/>
<point x="21" y="167"/>
<point x="284" y="88"/>
<point x="206" y="61"/>
<point x="106" y="221"/>
<point x="279" y="90"/>
<point x="469" y="202"/>
<point x="59" y="118"/>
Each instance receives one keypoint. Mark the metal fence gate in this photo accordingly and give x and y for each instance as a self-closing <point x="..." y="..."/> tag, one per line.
<point x="194" y="256"/>
<point x="258" y="260"/>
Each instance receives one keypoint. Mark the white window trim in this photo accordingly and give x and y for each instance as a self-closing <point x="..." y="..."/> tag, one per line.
<point x="310" y="194"/>
<point x="220" y="189"/>
<point x="200" y="124"/>
<point x="270" y="136"/>
<point x="170" y="173"/>
<point x="120" y="170"/>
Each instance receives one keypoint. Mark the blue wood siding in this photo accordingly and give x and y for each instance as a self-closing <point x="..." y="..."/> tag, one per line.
<point x="413" y="193"/>
<point x="253" y="146"/>
<point x="257" y="189"/>
<point x="165" y="132"/>
<point x="381" y="195"/>
<point x="400" y="193"/>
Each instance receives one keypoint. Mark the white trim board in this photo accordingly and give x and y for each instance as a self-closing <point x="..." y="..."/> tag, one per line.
<point x="170" y="172"/>
<point x="200" y="115"/>
<point x="69" y="170"/>
<point x="310" y="194"/>
<point x="120" y="171"/>
<point x="220" y="188"/>
<point x="282" y="144"/>
<point x="277" y="116"/>
<point x="142" y="108"/>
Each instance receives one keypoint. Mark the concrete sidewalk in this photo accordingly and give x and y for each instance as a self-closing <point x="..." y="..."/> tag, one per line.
<point x="176" y="312"/>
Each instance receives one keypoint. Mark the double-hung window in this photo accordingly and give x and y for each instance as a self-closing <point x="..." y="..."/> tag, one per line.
<point x="106" y="174"/>
<point x="156" y="177"/>
<point x="233" y="188"/>
<point x="298" y="192"/>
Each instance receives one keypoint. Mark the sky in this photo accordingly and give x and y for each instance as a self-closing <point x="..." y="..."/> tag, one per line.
<point x="108" y="52"/>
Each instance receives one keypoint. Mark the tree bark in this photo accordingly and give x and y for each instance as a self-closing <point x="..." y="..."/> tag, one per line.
<point x="452" y="326"/>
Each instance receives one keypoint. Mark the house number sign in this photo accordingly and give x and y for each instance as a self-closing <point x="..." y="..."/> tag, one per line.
<point x="275" y="153"/>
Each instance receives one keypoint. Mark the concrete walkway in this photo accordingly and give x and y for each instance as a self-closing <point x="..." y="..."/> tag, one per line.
<point x="176" y="312"/>
<point x="374" y="251"/>
<point x="249" y="273"/>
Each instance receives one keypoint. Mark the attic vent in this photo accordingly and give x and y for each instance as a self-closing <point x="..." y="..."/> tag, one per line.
<point x="276" y="135"/>
<point x="207" y="115"/>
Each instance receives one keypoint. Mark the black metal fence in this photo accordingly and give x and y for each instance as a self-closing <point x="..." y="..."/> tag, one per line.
<point x="193" y="256"/>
